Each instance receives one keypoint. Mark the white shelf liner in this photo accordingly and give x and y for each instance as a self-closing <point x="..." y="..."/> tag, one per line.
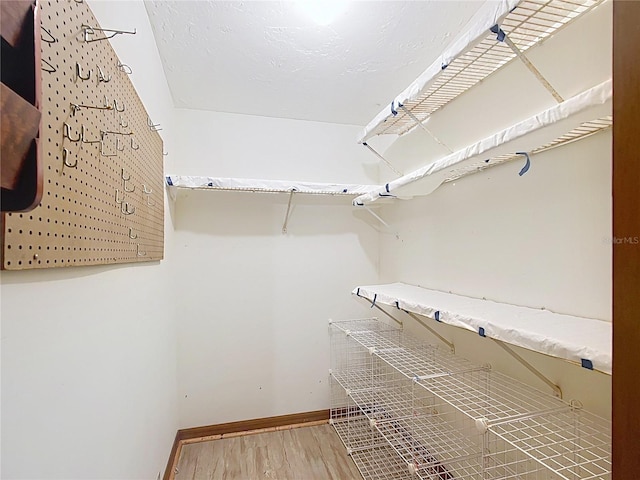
<point x="262" y="185"/>
<point x="564" y="336"/>
<point x="524" y="136"/>
<point x="477" y="30"/>
<point x="488" y="15"/>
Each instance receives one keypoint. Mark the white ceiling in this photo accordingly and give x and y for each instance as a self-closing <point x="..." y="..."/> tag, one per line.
<point x="270" y="58"/>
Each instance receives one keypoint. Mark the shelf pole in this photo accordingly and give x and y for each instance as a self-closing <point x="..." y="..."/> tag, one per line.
<point x="533" y="69"/>
<point x="424" y="127"/>
<point x="556" y="389"/>
<point x="432" y="331"/>
<point x="395" y="170"/>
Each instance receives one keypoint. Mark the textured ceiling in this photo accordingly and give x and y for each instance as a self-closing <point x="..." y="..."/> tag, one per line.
<point x="270" y="58"/>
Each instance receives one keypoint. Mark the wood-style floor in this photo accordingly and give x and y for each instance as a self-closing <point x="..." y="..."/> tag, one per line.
<point x="305" y="453"/>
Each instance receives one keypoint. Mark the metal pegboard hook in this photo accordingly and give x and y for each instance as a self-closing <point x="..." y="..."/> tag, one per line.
<point x="84" y="140"/>
<point x="118" y="200"/>
<point x="118" y="145"/>
<point x="147" y="192"/>
<point x="101" y="76"/>
<point x="132" y="235"/>
<point x="65" y="159"/>
<point x="139" y="252"/>
<point x="128" y="177"/>
<point x="124" y="68"/>
<point x="125" y="208"/>
<point x="153" y="127"/>
<point x="66" y="133"/>
<point x="134" y="146"/>
<point x="49" y="38"/>
<point x="79" y="75"/>
<point x="89" y="31"/>
<point x="123" y="123"/>
<point x="102" y="149"/>
<point x="126" y="189"/>
<point x="50" y="69"/>
<point x="115" y="106"/>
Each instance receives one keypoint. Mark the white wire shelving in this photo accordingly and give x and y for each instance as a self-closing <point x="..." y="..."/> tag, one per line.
<point x="579" y="117"/>
<point x="443" y="417"/>
<point x="499" y="33"/>
<point x="252" y="185"/>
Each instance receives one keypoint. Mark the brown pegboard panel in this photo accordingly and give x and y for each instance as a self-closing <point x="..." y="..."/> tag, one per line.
<point x="103" y="167"/>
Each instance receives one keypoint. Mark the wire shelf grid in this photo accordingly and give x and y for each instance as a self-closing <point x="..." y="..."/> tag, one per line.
<point x="574" y="444"/>
<point x="585" y="130"/>
<point x="381" y="463"/>
<point x="469" y="424"/>
<point x="531" y="22"/>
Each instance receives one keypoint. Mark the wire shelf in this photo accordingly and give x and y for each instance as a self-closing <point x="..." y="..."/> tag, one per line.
<point x="531" y="22"/>
<point x="381" y="463"/>
<point x="485" y="394"/>
<point x="575" y="444"/>
<point x="469" y="423"/>
<point x="585" y="130"/>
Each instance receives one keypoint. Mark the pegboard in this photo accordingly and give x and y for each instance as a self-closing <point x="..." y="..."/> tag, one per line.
<point x="103" y="199"/>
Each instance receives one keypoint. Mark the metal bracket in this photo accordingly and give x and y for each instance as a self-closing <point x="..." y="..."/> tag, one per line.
<point x="556" y="389"/>
<point x="286" y="217"/>
<point x="399" y="322"/>
<point x="395" y="170"/>
<point x="423" y="127"/>
<point x="432" y="331"/>
<point x="533" y="69"/>
<point x="377" y="217"/>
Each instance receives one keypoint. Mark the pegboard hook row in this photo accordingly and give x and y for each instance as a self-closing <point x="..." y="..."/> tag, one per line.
<point x="89" y="31"/>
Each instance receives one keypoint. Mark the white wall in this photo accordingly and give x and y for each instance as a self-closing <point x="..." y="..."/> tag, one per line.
<point x="89" y="354"/>
<point x="538" y="240"/>
<point x="254" y="303"/>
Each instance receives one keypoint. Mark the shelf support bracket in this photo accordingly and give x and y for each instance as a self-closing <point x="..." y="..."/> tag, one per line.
<point x="533" y="69"/>
<point x="286" y="216"/>
<point x="432" y="331"/>
<point x="556" y="389"/>
<point x="424" y="127"/>
<point x="377" y="217"/>
<point x="399" y="322"/>
<point x="394" y="169"/>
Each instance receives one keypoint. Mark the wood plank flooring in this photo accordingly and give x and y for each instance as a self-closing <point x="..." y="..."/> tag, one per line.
<point x="305" y="453"/>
